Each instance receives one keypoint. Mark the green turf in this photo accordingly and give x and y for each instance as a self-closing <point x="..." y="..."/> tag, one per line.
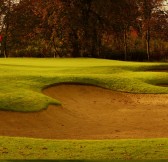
<point x="26" y="148"/>
<point x="113" y="160"/>
<point x="22" y="79"/>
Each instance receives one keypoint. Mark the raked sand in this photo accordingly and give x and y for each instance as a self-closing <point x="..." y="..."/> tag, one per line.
<point x="90" y="112"/>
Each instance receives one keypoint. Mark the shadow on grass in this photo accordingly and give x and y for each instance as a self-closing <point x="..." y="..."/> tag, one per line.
<point x="84" y="160"/>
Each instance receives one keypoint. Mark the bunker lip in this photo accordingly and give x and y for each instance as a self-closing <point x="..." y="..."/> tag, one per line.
<point x="157" y="70"/>
<point x="91" y="112"/>
<point x="71" y="83"/>
<point x="162" y="85"/>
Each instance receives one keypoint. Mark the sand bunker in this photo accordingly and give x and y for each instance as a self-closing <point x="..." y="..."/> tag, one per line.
<point x="90" y="112"/>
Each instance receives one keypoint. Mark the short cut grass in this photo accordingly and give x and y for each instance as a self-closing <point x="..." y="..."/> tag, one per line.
<point x="22" y="79"/>
<point x="28" y="148"/>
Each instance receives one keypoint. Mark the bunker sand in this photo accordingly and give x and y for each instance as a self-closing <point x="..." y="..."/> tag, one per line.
<point x="90" y="112"/>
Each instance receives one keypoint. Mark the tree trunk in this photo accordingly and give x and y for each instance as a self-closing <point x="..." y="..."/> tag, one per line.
<point x="75" y="44"/>
<point x="7" y="29"/>
<point x="94" y="44"/>
<point x="148" y="43"/>
<point x="5" y="47"/>
<point x="57" y="53"/>
<point x="75" y="52"/>
<point x="5" y="41"/>
<point x="125" y="44"/>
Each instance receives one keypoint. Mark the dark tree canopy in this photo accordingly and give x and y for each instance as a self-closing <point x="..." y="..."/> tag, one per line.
<point x="122" y="29"/>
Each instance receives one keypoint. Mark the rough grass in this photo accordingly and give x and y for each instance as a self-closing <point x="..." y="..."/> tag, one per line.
<point x="27" y="148"/>
<point x="23" y="79"/>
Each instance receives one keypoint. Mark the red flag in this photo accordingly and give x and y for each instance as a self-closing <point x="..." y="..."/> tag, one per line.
<point x="0" y="38"/>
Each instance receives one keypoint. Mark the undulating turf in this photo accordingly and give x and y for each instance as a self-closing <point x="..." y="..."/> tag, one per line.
<point x="26" y="148"/>
<point x="22" y="79"/>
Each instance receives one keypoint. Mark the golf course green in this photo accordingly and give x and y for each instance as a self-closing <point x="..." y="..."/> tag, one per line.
<point x="24" y="79"/>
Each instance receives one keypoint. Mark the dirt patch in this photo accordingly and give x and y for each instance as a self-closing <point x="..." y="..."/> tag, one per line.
<point x="90" y="112"/>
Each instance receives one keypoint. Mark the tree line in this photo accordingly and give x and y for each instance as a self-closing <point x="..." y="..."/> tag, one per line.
<point x="122" y="29"/>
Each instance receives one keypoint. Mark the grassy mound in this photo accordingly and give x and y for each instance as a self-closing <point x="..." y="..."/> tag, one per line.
<point x="22" y="79"/>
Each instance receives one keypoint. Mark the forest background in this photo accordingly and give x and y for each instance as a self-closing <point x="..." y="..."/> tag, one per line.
<point x="123" y="29"/>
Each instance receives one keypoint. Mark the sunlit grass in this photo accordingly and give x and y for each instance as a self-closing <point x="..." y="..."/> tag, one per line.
<point x="23" y="79"/>
<point x="27" y="148"/>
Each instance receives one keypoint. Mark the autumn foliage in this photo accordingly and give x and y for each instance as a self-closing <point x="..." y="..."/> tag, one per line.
<point x="122" y="29"/>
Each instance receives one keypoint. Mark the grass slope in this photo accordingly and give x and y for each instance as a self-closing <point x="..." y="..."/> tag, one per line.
<point x="22" y="79"/>
<point x="26" y="148"/>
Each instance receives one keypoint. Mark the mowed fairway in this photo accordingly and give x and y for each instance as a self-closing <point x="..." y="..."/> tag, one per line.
<point x="102" y="99"/>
